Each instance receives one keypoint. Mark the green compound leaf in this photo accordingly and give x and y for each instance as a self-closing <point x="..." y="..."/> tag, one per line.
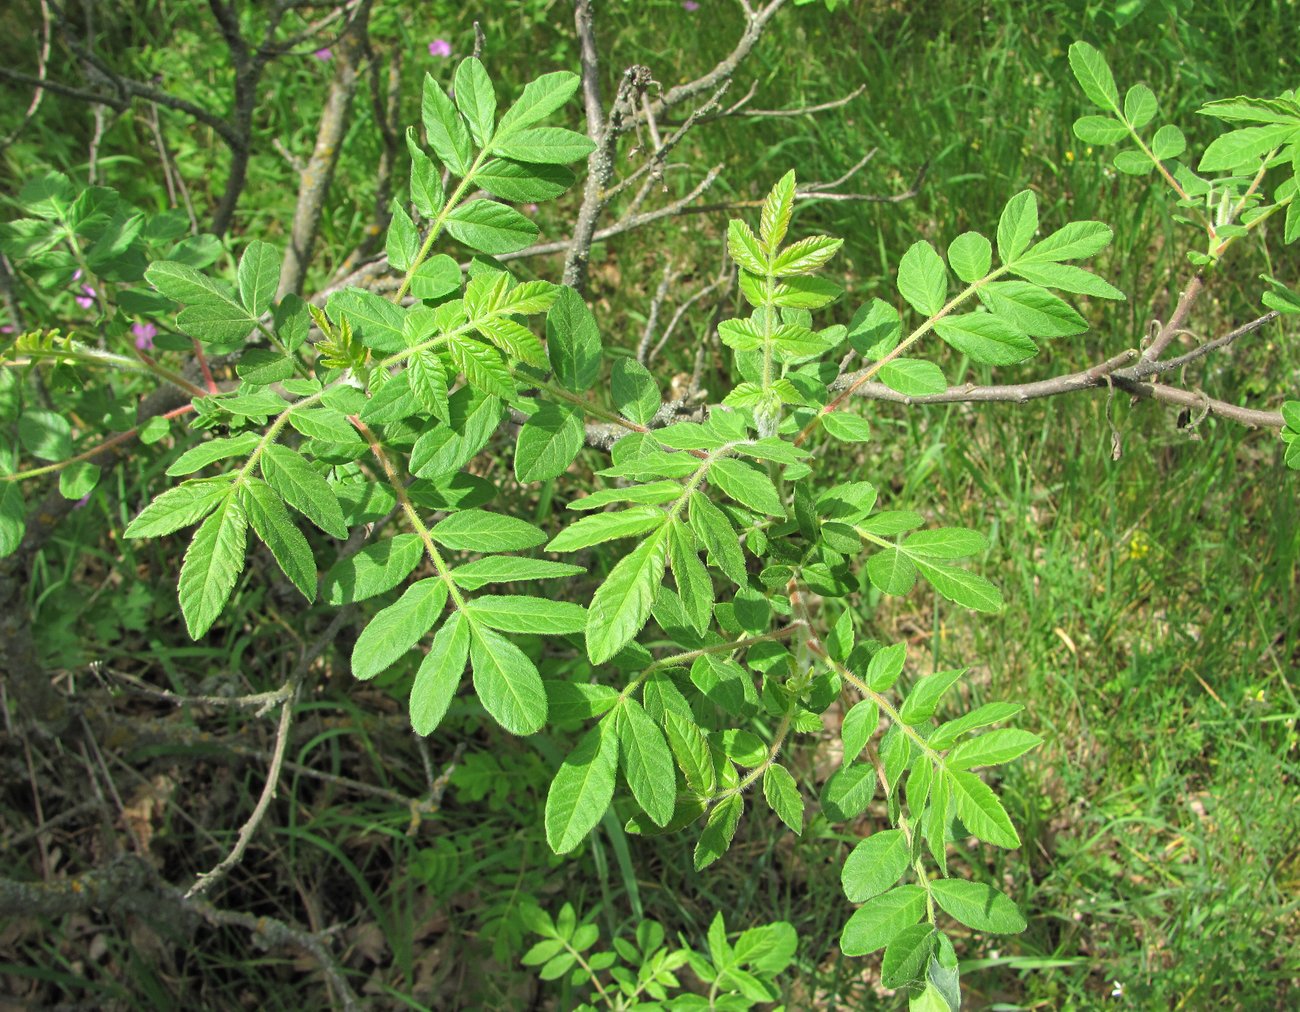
<point x="876" y="864"/>
<point x="806" y="255"/>
<point x="982" y="716"/>
<point x="373" y="570"/>
<point x="980" y="811"/>
<point x="1242" y="149"/>
<point x="259" y="276"/>
<point x="506" y="681"/>
<point x="775" y="216"/>
<point x="991" y="749"/>
<point x="186" y="504"/>
<point x="444" y="128"/>
<point x="970" y="590"/>
<point x="718" y="831"/>
<point x="782" y="795"/>
<point x="747" y="485"/>
<point x="519" y="614"/>
<point x="691" y="749"/>
<point x="573" y="342"/>
<point x="582" y="789"/>
<point x="480" y="531"/>
<point x="221" y="448"/>
<point x="273" y="525"/>
<point x="694" y="585"/>
<point x="714" y="530"/>
<point x="875" y="330"/>
<point x="1075" y="241"/>
<point x="439" y="676"/>
<point x="548" y="442"/>
<point x="970" y="256"/>
<point x="212" y="565"/>
<point x="946" y="543"/>
<point x="978" y="906"/>
<point x="885" y="666"/>
<point x="538" y="100"/>
<point x="906" y="956"/>
<point x="1017" y="225"/>
<point x="508" y="569"/>
<point x="876" y="924"/>
<point x="1099" y="129"/>
<point x="636" y="395"/>
<point x="1094" y="76"/>
<point x="986" y="338"/>
<point x="1068" y="278"/>
<point x="913" y="376"/>
<point x="374" y="319"/>
<point x="846" y="427"/>
<point x="426" y="183"/>
<point x="427" y="381"/>
<point x="397" y="628"/>
<point x="491" y="228"/>
<point x="475" y="99"/>
<point x="183" y="283"/>
<point x="216" y="323"/>
<point x="848" y="792"/>
<point x="622" y="604"/>
<point x="601" y="527"/>
<point x="1168" y="142"/>
<point x="403" y="241"/>
<point x="858" y="727"/>
<point x="923" y="279"/>
<point x="13" y="517"/>
<point x="303" y="489"/>
<point x="545" y="146"/>
<point x="647" y="762"/>
<point x="1140" y="106"/>
<point x="745" y="248"/>
<point x="523" y="181"/>
<point x="1032" y="309"/>
<point x="923" y="700"/>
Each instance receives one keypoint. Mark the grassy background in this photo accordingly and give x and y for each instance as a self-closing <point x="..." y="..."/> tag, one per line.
<point x="1152" y="623"/>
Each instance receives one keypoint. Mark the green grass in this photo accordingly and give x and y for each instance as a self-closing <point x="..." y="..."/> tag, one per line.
<point x="1151" y="599"/>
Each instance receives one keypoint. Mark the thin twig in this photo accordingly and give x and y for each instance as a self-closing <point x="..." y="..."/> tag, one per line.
<point x="652" y="317"/>
<point x="42" y="67"/>
<point x="1127" y="380"/>
<point x="293" y="686"/>
<point x="681" y="312"/>
<point x="1177" y="321"/>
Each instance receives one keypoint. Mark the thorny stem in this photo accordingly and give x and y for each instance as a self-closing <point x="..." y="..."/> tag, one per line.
<point x="412" y="514"/>
<point x="94" y="451"/>
<point x="918" y="865"/>
<point x="144" y="364"/>
<point x="717" y="648"/>
<point x="903" y="346"/>
<point x="436" y="228"/>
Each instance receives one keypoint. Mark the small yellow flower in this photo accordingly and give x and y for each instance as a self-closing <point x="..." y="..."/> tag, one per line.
<point x="1069" y="156"/>
<point x="975" y="144"/>
<point x="1139" y="545"/>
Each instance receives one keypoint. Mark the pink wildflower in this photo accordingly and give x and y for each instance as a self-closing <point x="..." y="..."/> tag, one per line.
<point x="530" y="208"/>
<point x="690" y="6"/>
<point x="323" y="54"/>
<point x="439" y="47"/>
<point x="144" y="335"/>
<point x="8" y="328"/>
<point x="87" y="298"/>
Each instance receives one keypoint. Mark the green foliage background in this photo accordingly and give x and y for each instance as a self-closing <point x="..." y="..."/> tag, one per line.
<point x="1151" y="625"/>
